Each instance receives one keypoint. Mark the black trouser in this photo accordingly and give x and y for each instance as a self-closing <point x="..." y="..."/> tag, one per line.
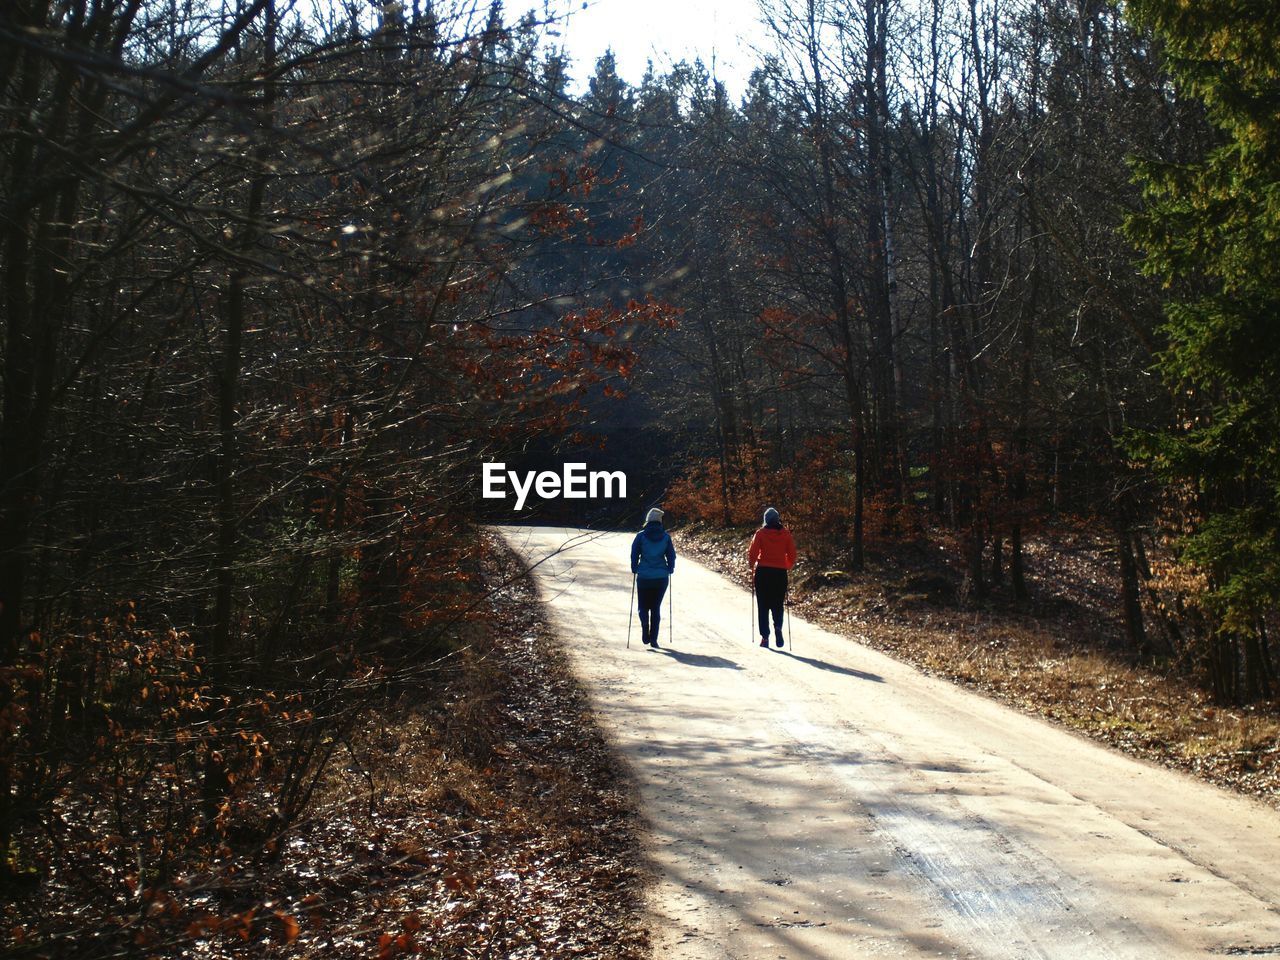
<point x="771" y="590"/>
<point x="651" y="593"/>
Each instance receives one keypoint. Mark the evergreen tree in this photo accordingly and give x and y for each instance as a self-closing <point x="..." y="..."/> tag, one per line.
<point x="1210" y="231"/>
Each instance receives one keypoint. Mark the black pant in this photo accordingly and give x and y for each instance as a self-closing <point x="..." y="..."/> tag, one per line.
<point x="651" y="593"/>
<point x="771" y="590"/>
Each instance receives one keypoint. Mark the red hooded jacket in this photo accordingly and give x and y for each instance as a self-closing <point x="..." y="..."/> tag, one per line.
<point x="772" y="548"/>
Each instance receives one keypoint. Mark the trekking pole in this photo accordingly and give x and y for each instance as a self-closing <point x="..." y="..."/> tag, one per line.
<point x="753" y="607"/>
<point x="787" y="602"/>
<point x="631" y="611"/>
<point x="671" y="607"/>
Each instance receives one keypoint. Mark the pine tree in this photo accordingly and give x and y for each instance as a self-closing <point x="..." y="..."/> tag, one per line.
<point x="1210" y="231"/>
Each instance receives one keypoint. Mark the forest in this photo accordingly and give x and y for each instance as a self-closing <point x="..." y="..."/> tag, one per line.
<point x="280" y="276"/>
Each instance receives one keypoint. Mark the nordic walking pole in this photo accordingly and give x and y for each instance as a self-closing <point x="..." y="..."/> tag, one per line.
<point x="671" y="606"/>
<point x="753" y="607"/>
<point x="787" y="603"/>
<point x="632" y="610"/>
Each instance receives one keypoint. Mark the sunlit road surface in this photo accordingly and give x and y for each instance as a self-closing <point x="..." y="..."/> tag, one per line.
<point x="829" y="802"/>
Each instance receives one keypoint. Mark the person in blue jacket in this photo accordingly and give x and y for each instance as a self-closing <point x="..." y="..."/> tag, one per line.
<point x="653" y="560"/>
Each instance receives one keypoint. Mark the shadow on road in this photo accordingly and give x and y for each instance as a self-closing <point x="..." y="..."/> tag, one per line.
<point x="823" y="665"/>
<point x="700" y="659"/>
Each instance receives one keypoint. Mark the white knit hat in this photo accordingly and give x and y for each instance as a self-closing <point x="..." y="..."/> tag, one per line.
<point x="652" y="515"/>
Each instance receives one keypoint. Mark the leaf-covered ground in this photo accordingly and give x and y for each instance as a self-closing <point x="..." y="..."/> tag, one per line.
<point x="482" y="816"/>
<point x="1060" y="657"/>
<point x="494" y="824"/>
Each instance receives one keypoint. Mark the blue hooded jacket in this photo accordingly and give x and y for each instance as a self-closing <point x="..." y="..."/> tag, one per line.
<point x="653" y="555"/>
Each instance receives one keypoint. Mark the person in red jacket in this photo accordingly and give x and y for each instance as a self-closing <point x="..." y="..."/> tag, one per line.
<point x="772" y="554"/>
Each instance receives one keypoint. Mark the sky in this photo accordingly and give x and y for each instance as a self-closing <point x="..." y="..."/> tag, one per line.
<point x="665" y="31"/>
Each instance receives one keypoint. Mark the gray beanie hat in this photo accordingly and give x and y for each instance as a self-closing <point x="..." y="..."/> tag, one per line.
<point x="652" y="515"/>
<point x="771" y="514"/>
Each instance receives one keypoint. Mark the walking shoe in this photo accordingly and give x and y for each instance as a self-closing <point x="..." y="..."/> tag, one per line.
<point x="764" y="641"/>
<point x="778" y="642"/>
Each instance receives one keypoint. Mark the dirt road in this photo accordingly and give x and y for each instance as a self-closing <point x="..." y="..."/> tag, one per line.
<point x="829" y="802"/>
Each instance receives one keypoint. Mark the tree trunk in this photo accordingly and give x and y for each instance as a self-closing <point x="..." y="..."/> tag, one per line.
<point x="1130" y="598"/>
<point x="1257" y="684"/>
<point x="216" y="785"/>
<point x="859" y="494"/>
<point x="885" y="449"/>
<point x="229" y="380"/>
<point x="1017" y="564"/>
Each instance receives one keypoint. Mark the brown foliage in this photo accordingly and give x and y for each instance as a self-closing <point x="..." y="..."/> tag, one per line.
<point x="814" y="492"/>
